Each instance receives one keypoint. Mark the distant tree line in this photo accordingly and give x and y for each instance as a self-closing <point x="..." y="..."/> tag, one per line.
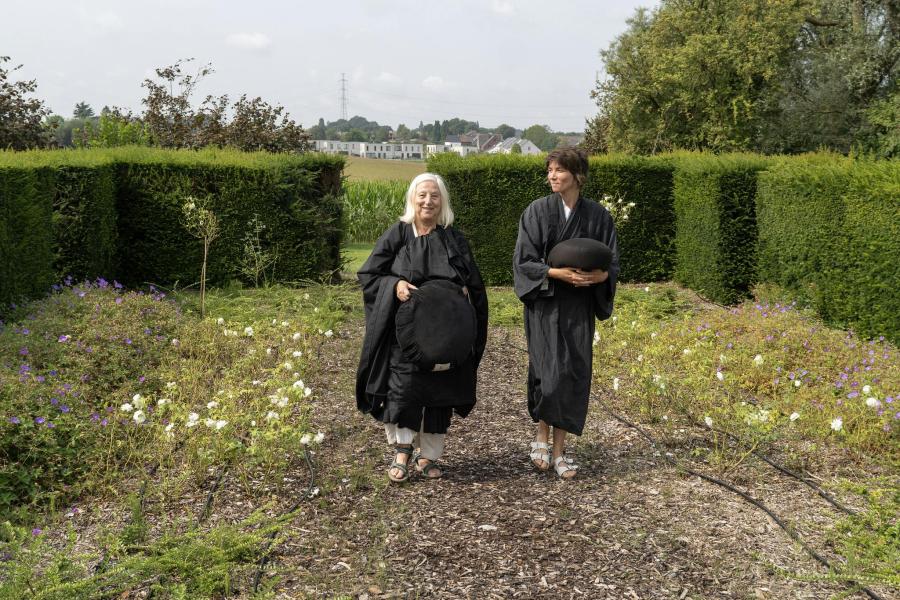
<point x="774" y="77"/>
<point x="169" y="119"/>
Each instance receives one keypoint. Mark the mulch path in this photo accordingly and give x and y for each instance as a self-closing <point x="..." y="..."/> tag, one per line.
<point x="629" y="526"/>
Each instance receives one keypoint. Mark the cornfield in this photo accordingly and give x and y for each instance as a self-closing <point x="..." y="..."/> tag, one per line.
<point x="370" y="207"/>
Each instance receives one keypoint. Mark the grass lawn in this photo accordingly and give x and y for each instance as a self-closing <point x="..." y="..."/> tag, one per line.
<point x="374" y="169"/>
<point x="356" y="254"/>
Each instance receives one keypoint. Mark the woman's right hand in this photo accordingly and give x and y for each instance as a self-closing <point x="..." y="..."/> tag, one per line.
<point x="403" y="290"/>
<point x="571" y="276"/>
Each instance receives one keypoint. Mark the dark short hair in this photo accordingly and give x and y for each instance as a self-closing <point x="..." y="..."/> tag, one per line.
<point x="573" y="160"/>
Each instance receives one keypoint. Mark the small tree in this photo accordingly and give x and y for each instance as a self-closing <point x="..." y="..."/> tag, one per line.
<point x="82" y="110"/>
<point x="256" y="260"/>
<point x="202" y="224"/>
<point x="21" y="118"/>
<point x="516" y="149"/>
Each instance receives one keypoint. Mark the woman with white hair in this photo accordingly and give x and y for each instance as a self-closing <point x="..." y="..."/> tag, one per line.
<point x="424" y="297"/>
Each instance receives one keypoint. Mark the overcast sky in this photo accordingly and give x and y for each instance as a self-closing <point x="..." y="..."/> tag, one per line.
<point x="516" y="61"/>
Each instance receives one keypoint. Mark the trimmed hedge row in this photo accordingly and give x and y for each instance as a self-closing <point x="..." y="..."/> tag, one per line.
<point x="490" y="192"/>
<point x="715" y="224"/>
<point x="117" y="213"/>
<point x="829" y="231"/>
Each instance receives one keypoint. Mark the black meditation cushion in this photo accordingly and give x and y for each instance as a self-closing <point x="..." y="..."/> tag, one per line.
<point x="436" y="326"/>
<point x="581" y="253"/>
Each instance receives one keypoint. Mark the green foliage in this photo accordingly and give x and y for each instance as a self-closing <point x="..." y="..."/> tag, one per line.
<point x="110" y="131"/>
<point x="828" y="231"/>
<point x="715" y="224"/>
<point x="489" y="193"/>
<point x="542" y="137"/>
<point x="26" y="233"/>
<point x="294" y="196"/>
<point x="21" y="117"/>
<point x="370" y="207"/>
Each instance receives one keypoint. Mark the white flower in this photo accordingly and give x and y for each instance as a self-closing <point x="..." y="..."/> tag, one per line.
<point x="794" y="416"/>
<point x="296" y="337"/>
<point x="721" y="358"/>
<point x="253" y="423"/>
<point x="708" y="420"/>
<point x="306" y="439"/>
<point x="271" y="416"/>
<point x="220" y="321"/>
<point x="139" y="417"/>
<point x="138" y="401"/>
<point x="296" y="353"/>
<point x="640" y="358"/>
<point x="298" y="384"/>
<point x="686" y="351"/>
<point x="162" y="401"/>
<point x="665" y="417"/>
<point x="284" y="323"/>
<point x="316" y="309"/>
<point x="867" y="389"/>
<point x="193" y="418"/>
<point x="797" y="383"/>
<point x="319" y="437"/>
<point x="210" y="422"/>
<point x="175" y="341"/>
<point x="647" y="289"/>
<point x="288" y="366"/>
<point x="268" y="352"/>
<point x="329" y="333"/>
<point x="212" y="404"/>
<point x="274" y="321"/>
<point x="280" y="401"/>
<point x="616" y="384"/>
<point x="126" y="408"/>
<point x="872" y="402"/>
<point x="758" y="360"/>
<point x="837" y="424"/>
<point x="220" y="424"/>
<point x="171" y="385"/>
<point x="633" y="323"/>
<point x="653" y="335"/>
<point x="255" y="382"/>
<point x="631" y="205"/>
<point x="306" y="296"/>
<point x="191" y="206"/>
<point x="169" y="429"/>
<point x="248" y="331"/>
<point x="720" y="375"/>
<point x="307" y="392"/>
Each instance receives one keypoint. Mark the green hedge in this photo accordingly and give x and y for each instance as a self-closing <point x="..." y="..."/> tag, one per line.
<point x="26" y="233"/>
<point x="489" y="193"/>
<point x="715" y="223"/>
<point x="829" y="231"/>
<point x="116" y="213"/>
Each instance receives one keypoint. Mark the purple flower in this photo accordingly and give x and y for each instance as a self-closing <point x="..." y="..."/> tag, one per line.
<point x="23" y="351"/>
<point x="102" y="283"/>
<point x="36" y="531"/>
<point x="40" y="379"/>
<point x="889" y="399"/>
<point x="26" y="331"/>
<point x="119" y="300"/>
<point x="50" y="425"/>
<point x="14" y="420"/>
<point x="104" y="422"/>
<point x="142" y="379"/>
<point x="95" y="417"/>
<point x="64" y="409"/>
<point x="39" y="420"/>
<point x="53" y="373"/>
<point x="63" y="339"/>
<point x="128" y="341"/>
<point x="117" y="285"/>
<point x="853" y="394"/>
<point x="54" y="401"/>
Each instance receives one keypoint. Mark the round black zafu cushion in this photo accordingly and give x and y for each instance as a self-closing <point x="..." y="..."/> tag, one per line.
<point x="581" y="253"/>
<point x="436" y="325"/>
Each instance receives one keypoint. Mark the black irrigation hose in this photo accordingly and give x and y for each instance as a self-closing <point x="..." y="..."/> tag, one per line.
<point x="306" y="496"/>
<point x="791" y="533"/>
<point x="209" y="497"/>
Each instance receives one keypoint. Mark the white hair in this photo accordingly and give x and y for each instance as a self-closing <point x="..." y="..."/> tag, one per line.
<point x="444" y="219"/>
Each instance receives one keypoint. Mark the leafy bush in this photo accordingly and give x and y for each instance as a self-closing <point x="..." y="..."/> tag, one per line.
<point x="829" y="232"/>
<point x="370" y="207"/>
<point x="489" y="193"/>
<point x="715" y="224"/>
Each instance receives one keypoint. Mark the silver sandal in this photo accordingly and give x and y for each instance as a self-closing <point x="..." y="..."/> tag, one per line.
<point x="562" y="465"/>
<point x="540" y="452"/>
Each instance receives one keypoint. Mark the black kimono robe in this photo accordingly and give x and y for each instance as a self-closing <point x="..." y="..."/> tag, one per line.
<point x="559" y="317"/>
<point x="387" y="387"/>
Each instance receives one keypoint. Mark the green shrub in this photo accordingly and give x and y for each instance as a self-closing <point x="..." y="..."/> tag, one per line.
<point x="370" y="207"/>
<point x="715" y="224"/>
<point x="26" y="233"/>
<point x="829" y="232"/>
<point x="489" y="193"/>
<point x="140" y="237"/>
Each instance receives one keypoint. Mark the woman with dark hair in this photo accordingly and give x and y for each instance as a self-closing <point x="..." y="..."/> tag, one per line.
<point x="399" y="381"/>
<point x="561" y="303"/>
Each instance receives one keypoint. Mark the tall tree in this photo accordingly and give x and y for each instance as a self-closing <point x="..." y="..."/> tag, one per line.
<point x="83" y="110"/>
<point x="542" y="137"/>
<point x="21" y="117"/>
<point x="505" y="131"/>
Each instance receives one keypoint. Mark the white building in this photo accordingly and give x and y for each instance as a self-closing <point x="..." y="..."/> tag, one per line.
<point x="505" y="147"/>
<point x="389" y="150"/>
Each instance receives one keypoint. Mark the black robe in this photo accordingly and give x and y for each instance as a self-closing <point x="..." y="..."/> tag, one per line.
<point x="387" y="387"/>
<point x="559" y="317"/>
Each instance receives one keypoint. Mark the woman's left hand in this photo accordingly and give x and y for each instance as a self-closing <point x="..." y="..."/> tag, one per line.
<point x="593" y="277"/>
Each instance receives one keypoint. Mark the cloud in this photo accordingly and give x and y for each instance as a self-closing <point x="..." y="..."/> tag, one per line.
<point x="388" y="78"/>
<point x="250" y="41"/>
<point x="435" y="83"/>
<point x="503" y="7"/>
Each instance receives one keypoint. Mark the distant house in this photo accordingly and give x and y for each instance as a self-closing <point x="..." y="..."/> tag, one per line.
<point x="570" y="140"/>
<point x="506" y="146"/>
<point x="388" y="150"/>
<point x="484" y="141"/>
